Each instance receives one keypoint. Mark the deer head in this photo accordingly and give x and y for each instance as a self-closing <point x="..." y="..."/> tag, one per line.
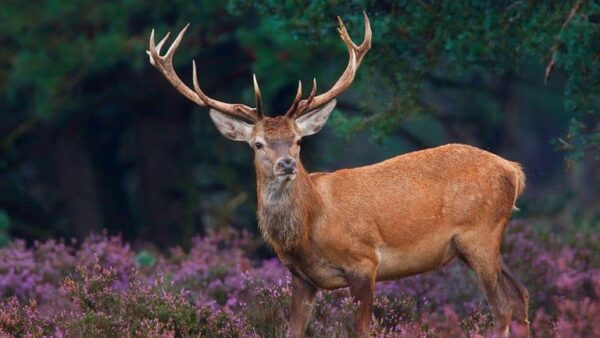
<point x="275" y="140"/>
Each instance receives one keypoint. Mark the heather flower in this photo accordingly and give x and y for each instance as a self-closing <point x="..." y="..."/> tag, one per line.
<point x="216" y="289"/>
<point x="20" y="319"/>
<point x="18" y="271"/>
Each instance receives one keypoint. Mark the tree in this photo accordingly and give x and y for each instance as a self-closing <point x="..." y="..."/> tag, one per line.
<point x="92" y="137"/>
<point x="473" y="45"/>
<point x="105" y="139"/>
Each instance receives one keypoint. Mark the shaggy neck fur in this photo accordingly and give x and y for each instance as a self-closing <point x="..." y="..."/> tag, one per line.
<point x="286" y="209"/>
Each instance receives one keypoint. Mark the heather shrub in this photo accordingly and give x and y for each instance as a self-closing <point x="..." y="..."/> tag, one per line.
<point x="103" y="287"/>
<point x="267" y="306"/>
<point x="212" y="269"/>
<point x="333" y="314"/>
<point x="107" y="308"/>
<point x="19" y="275"/>
<point x="19" y="319"/>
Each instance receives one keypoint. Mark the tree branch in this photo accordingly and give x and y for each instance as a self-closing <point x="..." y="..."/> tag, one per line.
<point x="400" y="131"/>
<point x="554" y="49"/>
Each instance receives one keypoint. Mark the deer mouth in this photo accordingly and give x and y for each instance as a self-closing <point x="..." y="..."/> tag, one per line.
<point x="289" y="171"/>
<point x="286" y="176"/>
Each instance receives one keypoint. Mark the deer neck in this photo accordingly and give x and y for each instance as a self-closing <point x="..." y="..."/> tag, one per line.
<point x="287" y="209"/>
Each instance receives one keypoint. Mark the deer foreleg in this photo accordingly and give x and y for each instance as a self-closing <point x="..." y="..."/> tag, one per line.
<point x="303" y="300"/>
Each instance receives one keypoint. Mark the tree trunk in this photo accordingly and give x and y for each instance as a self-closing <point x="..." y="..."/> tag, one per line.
<point x="76" y="183"/>
<point x="164" y="150"/>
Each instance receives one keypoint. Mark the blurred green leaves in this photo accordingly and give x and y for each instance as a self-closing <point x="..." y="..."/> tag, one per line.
<point x="4" y="228"/>
<point x="145" y="259"/>
<point x="438" y="71"/>
<point x="453" y="40"/>
<point x="54" y="47"/>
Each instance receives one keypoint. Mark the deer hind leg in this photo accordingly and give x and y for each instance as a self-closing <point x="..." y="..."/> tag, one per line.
<point x="362" y="289"/>
<point x="481" y="252"/>
<point x="514" y="290"/>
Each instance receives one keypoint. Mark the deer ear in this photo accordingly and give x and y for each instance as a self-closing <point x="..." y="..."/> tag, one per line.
<point x="311" y="122"/>
<point x="230" y="127"/>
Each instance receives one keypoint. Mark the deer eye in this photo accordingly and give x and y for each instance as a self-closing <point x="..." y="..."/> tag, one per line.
<point x="258" y="145"/>
<point x="299" y="142"/>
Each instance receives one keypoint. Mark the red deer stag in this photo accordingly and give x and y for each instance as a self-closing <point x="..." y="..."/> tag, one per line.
<point x="407" y="215"/>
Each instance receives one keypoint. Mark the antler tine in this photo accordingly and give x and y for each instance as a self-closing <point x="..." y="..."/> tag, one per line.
<point x="164" y="63"/>
<point x="236" y="109"/>
<point x="312" y="94"/>
<point x="364" y="46"/>
<point x="356" y="54"/>
<point x="292" y="111"/>
<point x="175" y="44"/>
<point x="160" y="44"/>
<point x="258" y="97"/>
<point x="305" y="104"/>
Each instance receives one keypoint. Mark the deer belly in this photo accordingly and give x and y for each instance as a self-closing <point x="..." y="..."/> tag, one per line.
<point x="401" y="262"/>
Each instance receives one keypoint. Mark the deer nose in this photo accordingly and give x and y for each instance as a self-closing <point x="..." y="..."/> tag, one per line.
<point x="287" y="165"/>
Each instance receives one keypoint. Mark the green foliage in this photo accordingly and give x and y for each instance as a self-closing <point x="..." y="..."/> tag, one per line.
<point x="422" y="44"/>
<point x="78" y="93"/>
<point x="78" y="72"/>
<point x="578" y="140"/>
<point x="145" y="259"/>
<point x="4" y="227"/>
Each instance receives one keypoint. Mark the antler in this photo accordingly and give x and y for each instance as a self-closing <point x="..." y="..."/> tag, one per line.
<point x="294" y="108"/>
<point x="356" y="54"/>
<point x="165" y="65"/>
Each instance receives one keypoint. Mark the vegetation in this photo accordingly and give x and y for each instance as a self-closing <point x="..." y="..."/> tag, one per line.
<point x="92" y="139"/>
<point x="216" y="289"/>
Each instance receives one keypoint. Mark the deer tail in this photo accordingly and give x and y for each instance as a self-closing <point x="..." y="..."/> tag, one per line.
<point x="519" y="182"/>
